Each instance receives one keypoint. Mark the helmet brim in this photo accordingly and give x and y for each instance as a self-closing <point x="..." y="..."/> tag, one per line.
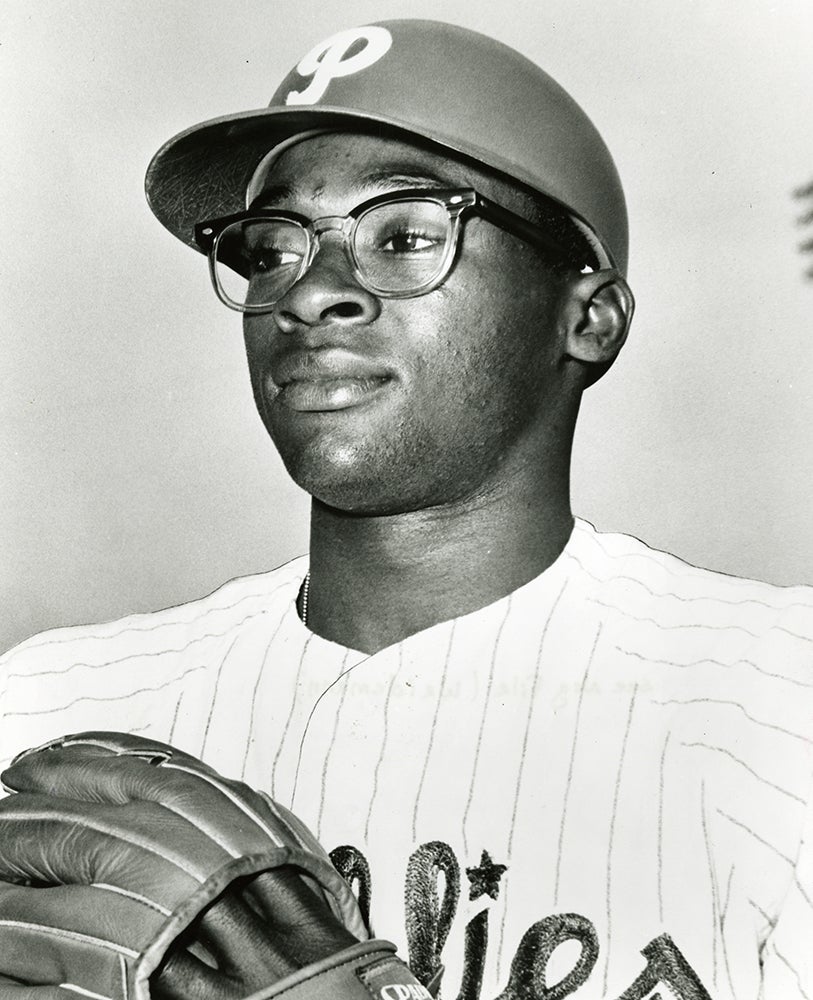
<point x="203" y="172"/>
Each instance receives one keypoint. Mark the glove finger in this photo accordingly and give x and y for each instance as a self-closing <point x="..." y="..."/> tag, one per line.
<point x="126" y="744"/>
<point x="143" y="848"/>
<point x="259" y="945"/>
<point x="172" y="780"/>
<point x="183" y="976"/>
<point x="250" y="950"/>
<point x="233" y="815"/>
<point x="244" y="946"/>
<point x="325" y="884"/>
<point x="305" y="926"/>
<point x="71" y="934"/>
<point x="105" y="741"/>
<point x="86" y="773"/>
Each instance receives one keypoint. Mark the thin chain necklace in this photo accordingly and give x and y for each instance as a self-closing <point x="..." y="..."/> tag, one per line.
<point x="306" y="588"/>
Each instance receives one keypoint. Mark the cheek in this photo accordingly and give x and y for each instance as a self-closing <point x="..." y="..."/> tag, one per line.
<point x="257" y="340"/>
<point x="491" y="351"/>
<point x="251" y="342"/>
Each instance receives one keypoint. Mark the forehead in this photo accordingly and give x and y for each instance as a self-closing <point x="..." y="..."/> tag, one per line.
<point x="358" y="164"/>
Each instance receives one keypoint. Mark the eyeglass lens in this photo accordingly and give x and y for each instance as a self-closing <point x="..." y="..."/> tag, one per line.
<point x="398" y="247"/>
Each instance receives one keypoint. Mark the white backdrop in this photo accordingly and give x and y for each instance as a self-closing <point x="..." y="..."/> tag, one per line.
<point x="134" y="471"/>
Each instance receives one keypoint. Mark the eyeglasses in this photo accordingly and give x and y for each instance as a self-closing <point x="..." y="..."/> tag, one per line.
<point x="399" y="245"/>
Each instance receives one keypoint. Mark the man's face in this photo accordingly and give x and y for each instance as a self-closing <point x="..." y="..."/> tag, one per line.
<point x="382" y="405"/>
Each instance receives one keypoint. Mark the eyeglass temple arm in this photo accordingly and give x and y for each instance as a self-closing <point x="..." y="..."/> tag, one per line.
<point x="515" y="224"/>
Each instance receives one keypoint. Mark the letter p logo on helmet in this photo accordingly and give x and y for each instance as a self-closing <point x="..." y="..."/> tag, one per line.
<point x="330" y="59"/>
<point x="461" y="91"/>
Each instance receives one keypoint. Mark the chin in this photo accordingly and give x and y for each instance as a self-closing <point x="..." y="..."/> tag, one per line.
<point x="388" y="468"/>
<point x="358" y="493"/>
<point x="356" y="481"/>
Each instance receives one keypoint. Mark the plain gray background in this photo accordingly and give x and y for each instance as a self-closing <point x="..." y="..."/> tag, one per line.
<point x="134" y="470"/>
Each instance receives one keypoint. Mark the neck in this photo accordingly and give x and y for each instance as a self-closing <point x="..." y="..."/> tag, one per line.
<point x="377" y="579"/>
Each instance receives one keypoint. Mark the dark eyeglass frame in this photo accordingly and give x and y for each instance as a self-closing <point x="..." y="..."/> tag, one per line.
<point x="458" y="202"/>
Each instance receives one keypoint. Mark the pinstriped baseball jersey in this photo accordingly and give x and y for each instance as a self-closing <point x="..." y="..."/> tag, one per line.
<point x="601" y="780"/>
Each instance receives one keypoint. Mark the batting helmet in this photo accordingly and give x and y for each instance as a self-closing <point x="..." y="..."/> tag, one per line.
<point x="456" y="88"/>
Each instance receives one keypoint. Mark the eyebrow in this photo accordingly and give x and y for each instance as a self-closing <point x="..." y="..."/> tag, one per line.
<point x="397" y="175"/>
<point x="279" y="192"/>
<point x="392" y="177"/>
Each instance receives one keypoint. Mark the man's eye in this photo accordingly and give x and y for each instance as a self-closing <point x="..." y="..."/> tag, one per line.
<point x="265" y="259"/>
<point x="407" y="241"/>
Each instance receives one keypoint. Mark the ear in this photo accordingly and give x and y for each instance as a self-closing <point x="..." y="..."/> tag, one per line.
<point x="597" y="313"/>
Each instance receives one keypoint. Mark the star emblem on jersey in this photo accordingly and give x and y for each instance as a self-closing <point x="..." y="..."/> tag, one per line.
<point x="485" y="877"/>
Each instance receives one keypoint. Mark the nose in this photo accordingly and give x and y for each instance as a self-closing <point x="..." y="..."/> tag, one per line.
<point x="328" y="293"/>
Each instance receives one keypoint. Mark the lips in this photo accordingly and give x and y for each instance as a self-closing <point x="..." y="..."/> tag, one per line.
<point x="316" y="395"/>
<point x="322" y="382"/>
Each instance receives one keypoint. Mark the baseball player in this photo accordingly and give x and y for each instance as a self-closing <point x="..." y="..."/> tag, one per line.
<point x="552" y="762"/>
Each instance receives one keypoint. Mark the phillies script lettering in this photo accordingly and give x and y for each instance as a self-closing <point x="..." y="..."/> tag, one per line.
<point x="429" y="916"/>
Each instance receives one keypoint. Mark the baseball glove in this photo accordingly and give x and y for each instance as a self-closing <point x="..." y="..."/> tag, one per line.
<point x="132" y="870"/>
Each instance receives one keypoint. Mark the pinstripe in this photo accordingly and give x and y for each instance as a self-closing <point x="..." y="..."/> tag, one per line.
<point x="214" y="696"/>
<point x="793" y="971"/>
<point x="701" y="626"/>
<point x="727" y="899"/>
<point x="290" y="714"/>
<point x="672" y="564"/>
<point x="506" y="894"/>
<point x="576" y="730"/>
<point x="531" y="703"/>
<point x="325" y="763"/>
<point x="330" y="687"/>
<point x="733" y="664"/>
<point x="661" y="794"/>
<point x="680" y="626"/>
<point x="727" y="967"/>
<point x="611" y="840"/>
<point x="525" y="738"/>
<point x="802" y="891"/>
<point x="756" y="836"/>
<point x="253" y="709"/>
<point x="792" y="633"/>
<point x="521" y="769"/>
<point x="432" y="730"/>
<point x="723" y="914"/>
<point x="97" y="637"/>
<point x="732" y="704"/>
<point x="768" y="920"/>
<point x="479" y="743"/>
<point x="383" y="748"/>
<point x="773" y="685"/>
<point x="779" y="677"/>
<point x="628" y="553"/>
<point x="175" y="717"/>
<point x="715" y="902"/>
<point x="173" y="651"/>
<point x="668" y="595"/>
<point x="205" y="612"/>
<point x="104" y="699"/>
<point x="747" y="767"/>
